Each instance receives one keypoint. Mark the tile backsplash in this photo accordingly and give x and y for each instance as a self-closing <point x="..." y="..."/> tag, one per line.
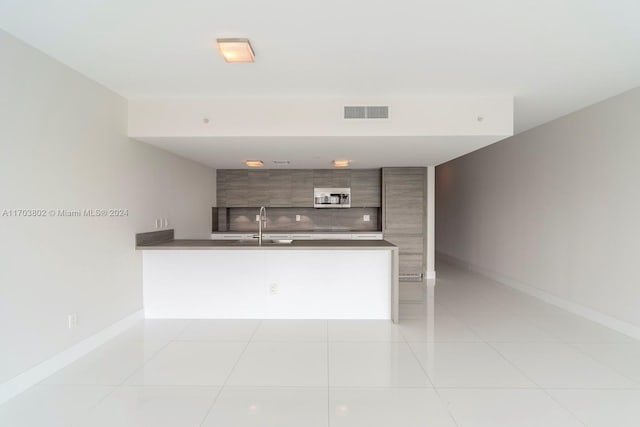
<point x="284" y="219"/>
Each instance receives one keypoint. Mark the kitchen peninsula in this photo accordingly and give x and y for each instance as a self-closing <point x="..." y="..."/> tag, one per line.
<point x="304" y="279"/>
<point x="336" y="267"/>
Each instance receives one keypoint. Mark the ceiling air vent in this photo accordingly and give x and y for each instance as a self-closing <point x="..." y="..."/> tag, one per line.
<point x="366" y="112"/>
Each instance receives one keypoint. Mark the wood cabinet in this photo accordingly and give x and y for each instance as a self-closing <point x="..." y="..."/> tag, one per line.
<point x="404" y="224"/>
<point x="294" y="187"/>
<point x="302" y="188"/>
<point x="258" y="188"/>
<point x="366" y="189"/>
<point x="232" y="188"/>
<point x="324" y="178"/>
<point x="280" y="189"/>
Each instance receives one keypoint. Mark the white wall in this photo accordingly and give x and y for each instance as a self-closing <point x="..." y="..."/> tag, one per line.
<point x="556" y="208"/>
<point x="64" y="146"/>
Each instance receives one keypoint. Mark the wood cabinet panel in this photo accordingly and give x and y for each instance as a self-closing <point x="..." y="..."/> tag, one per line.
<point x="366" y="190"/>
<point x="331" y="178"/>
<point x="302" y="188"/>
<point x="280" y="189"/>
<point x="411" y="264"/>
<point x="258" y="188"/>
<point x="404" y="215"/>
<point x="404" y="200"/>
<point x="412" y="292"/>
<point x="294" y="188"/>
<point x="235" y="188"/>
<point x="408" y="244"/>
<point x="341" y="178"/>
<point x="404" y="219"/>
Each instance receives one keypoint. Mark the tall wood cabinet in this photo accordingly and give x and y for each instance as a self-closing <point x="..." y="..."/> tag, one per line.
<point x="404" y="223"/>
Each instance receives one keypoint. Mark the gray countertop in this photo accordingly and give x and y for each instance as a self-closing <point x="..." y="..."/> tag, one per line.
<point x="296" y="244"/>
<point x="321" y="231"/>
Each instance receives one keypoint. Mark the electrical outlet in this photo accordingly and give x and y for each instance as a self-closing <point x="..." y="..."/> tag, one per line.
<point x="366" y="218"/>
<point x="257" y="218"/>
<point x="298" y="218"/>
<point x="72" y="320"/>
<point x="273" y="289"/>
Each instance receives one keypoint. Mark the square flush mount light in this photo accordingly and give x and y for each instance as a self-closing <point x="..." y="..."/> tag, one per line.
<point x="341" y="163"/>
<point x="235" y="50"/>
<point x="254" y="163"/>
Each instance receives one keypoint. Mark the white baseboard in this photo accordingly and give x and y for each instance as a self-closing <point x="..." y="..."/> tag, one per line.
<point x="575" y="308"/>
<point x="33" y="376"/>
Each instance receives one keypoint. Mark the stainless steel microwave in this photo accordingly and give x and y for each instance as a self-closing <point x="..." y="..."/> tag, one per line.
<point x="332" y="197"/>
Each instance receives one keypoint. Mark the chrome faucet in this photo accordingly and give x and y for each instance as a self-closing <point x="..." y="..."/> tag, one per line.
<point x="262" y="217"/>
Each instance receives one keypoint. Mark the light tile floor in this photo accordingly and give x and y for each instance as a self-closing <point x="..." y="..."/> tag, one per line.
<point x="475" y="354"/>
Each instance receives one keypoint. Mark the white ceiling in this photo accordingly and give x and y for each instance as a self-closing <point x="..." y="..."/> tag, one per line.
<point x="554" y="56"/>
<point x="318" y="152"/>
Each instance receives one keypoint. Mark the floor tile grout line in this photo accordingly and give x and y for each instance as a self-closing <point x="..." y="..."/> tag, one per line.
<point x="506" y="290"/>
<point x="433" y="387"/>
<point x="145" y="363"/>
<point x="560" y="404"/>
<point x="558" y="339"/>
<point x="215" y="399"/>
<point x="155" y="353"/>
<point x="91" y="408"/>
<point x="513" y="365"/>
<point x="539" y="387"/>
<point x="206" y="415"/>
<point x="328" y="379"/>
<point x="488" y="343"/>
<point x="121" y="385"/>
<point x="601" y="363"/>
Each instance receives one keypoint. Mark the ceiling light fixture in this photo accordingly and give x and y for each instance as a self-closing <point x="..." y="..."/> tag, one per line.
<point x="341" y="163"/>
<point x="254" y="163"/>
<point x="235" y="50"/>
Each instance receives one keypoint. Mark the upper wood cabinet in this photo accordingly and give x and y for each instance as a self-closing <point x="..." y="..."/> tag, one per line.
<point x="232" y="188"/>
<point x="294" y="187"/>
<point x="280" y="189"/>
<point x="366" y="188"/>
<point x="302" y="188"/>
<point x="327" y="178"/>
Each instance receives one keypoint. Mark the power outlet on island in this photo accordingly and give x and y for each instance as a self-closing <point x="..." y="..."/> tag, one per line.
<point x="273" y="289"/>
<point x="72" y="320"/>
<point x="366" y="218"/>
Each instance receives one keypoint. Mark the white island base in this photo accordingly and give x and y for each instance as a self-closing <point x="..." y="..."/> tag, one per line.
<point x="270" y="284"/>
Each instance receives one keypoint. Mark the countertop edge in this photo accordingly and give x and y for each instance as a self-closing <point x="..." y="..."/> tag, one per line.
<point x="302" y="245"/>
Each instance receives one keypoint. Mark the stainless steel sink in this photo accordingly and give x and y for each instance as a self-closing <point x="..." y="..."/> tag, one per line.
<point x="264" y="242"/>
<point x="280" y="241"/>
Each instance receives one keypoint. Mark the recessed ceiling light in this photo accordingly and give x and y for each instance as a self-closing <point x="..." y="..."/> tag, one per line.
<point x="254" y="163"/>
<point x="235" y="50"/>
<point x="341" y="163"/>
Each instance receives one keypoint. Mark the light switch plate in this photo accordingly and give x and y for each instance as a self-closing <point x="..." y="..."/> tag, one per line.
<point x="257" y="218"/>
<point x="298" y="218"/>
<point x="366" y="218"/>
